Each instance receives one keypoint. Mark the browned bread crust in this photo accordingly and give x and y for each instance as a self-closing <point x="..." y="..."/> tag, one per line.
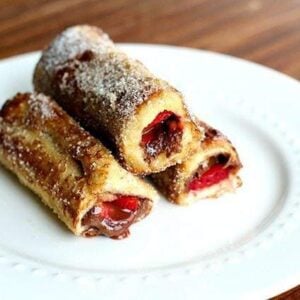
<point x="172" y="182"/>
<point x="106" y="91"/>
<point x="68" y="168"/>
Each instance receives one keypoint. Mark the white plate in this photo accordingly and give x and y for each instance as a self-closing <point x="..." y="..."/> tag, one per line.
<point x="241" y="246"/>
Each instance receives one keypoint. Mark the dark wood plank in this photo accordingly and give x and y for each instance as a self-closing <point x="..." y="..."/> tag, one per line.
<point x="293" y="294"/>
<point x="264" y="31"/>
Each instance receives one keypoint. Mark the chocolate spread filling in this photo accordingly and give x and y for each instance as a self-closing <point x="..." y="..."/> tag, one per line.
<point x="113" y="218"/>
<point x="212" y="171"/>
<point x="163" y="134"/>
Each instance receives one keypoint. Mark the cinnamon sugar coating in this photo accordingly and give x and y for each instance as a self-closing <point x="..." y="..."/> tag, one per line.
<point x="173" y="182"/>
<point x="69" y="169"/>
<point x="31" y="124"/>
<point x="112" y="95"/>
<point x="91" y="78"/>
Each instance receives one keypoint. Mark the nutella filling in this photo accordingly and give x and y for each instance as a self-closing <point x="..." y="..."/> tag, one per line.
<point x="113" y="218"/>
<point x="163" y="134"/>
<point x="211" y="172"/>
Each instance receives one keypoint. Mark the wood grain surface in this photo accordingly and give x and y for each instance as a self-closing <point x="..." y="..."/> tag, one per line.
<point x="264" y="31"/>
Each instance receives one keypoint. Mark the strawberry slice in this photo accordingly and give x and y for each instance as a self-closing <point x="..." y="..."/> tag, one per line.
<point x="130" y="203"/>
<point x="117" y="210"/>
<point x="111" y="211"/>
<point x="148" y="137"/>
<point x="112" y="218"/>
<point x="160" y="118"/>
<point x="212" y="176"/>
<point x="151" y="131"/>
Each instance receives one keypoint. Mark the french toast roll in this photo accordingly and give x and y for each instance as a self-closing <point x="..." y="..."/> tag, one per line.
<point x="71" y="171"/>
<point x="209" y="172"/>
<point x="112" y="95"/>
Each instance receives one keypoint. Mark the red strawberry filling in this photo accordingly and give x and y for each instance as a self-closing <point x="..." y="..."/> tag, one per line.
<point x="112" y="218"/>
<point x="129" y="203"/>
<point x="163" y="134"/>
<point x="212" y="176"/>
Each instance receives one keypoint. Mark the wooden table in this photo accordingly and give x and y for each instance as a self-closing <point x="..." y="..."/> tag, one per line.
<point x="264" y="31"/>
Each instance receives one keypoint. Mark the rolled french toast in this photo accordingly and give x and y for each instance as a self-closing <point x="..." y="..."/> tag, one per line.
<point x="71" y="171"/>
<point x="209" y="172"/>
<point x="144" y="118"/>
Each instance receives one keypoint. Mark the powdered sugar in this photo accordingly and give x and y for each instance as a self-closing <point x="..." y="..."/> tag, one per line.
<point x="44" y="146"/>
<point x="117" y="83"/>
<point x="39" y="103"/>
<point x="73" y="41"/>
<point x="83" y="68"/>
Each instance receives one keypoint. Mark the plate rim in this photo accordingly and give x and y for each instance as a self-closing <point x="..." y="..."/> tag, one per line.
<point x="31" y="54"/>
